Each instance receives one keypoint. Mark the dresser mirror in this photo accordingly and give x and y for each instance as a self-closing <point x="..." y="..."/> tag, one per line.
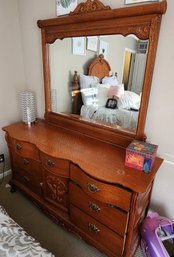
<point x="127" y="62"/>
<point x="124" y="41"/>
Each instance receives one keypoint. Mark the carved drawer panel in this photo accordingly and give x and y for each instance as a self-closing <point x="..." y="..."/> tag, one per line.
<point x="25" y="149"/>
<point x="28" y="172"/>
<point x="97" y="231"/>
<point x="55" y="165"/>
<point x="55" y="189"/>
<point x="103" y="192"/>
<point x="107" y="214"/>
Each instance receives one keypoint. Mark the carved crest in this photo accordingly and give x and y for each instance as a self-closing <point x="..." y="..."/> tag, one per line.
<point x="90" y="6"/>
<point x="140" y="31"/>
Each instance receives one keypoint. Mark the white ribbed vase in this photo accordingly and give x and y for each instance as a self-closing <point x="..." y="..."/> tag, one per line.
<point x="27" y="102"/>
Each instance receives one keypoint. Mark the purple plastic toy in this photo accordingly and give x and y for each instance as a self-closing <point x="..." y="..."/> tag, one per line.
<point x="154" y="231"/>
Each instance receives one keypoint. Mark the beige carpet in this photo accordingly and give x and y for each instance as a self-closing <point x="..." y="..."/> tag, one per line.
<point x="51" y="236"/>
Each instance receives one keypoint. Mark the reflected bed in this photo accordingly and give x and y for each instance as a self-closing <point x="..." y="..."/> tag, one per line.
<point x="91" y="93"/>
<point x="121" y="117"/>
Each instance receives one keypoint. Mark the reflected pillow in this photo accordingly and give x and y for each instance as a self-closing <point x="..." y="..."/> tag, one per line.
<point x="101" y="94"/>
<point x="88" y="81"/>
<point x="89" y="96"/>
<point x="87" y="90"/>
<point x="116" y="91"/>
<point x="111" y="80"/>
<point x="129" y="100"/>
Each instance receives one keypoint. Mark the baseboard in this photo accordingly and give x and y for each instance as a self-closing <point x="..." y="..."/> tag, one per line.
<point x="6" y="173"/>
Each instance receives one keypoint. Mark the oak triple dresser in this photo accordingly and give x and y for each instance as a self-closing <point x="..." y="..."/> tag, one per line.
<point x="73" y="168"/>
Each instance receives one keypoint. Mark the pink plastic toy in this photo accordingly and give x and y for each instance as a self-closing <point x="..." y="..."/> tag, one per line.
<point x="155" y="231"/>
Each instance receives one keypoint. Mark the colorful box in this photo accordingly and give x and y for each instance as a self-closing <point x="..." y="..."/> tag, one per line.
<point x="140" y="155"/>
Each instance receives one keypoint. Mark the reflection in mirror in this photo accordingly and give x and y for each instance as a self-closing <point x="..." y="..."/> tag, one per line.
<point x="110" y="99"/>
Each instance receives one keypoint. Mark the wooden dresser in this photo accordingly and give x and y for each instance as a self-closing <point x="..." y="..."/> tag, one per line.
<point x="81" y="183"/>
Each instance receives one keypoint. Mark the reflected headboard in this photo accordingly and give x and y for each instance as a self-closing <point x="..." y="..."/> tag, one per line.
<point x="100" y="68"/>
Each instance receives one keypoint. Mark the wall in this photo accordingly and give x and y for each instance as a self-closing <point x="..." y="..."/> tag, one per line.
<point x="12" y="78"/>
<point x="160" y="123"/>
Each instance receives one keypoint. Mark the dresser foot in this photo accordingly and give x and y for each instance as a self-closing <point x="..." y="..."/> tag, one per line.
<point x="13" y="189"/>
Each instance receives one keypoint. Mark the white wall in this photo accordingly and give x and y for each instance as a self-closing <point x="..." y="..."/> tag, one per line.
<point x="12" y="78"/>
<point x="160" y="123"/>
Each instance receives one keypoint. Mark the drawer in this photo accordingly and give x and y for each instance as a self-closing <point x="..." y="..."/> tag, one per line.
<point x="24" y="148"/>
<point x="97" y="231"/>
<point x="107" y="214"/>
<point x="32" y="182"/>
<point x="27" y="171"/>
<point x="55" y="165"/>
<point x="100" y="191"/>
<point x="27" y="164"/>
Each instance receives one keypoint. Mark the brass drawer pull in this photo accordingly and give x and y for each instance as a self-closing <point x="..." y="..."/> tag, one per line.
<point x="18" y="146"/>
<point x="93" y="228"/>
<point x="25" y="162"/>
<point x="93" y="188"/>
<point x="50" y="163"/>
<point x="112" y="206"/>
<point x="41" y="184"/>
<point x="26" y="179"/>
<point x="94" y="207"/>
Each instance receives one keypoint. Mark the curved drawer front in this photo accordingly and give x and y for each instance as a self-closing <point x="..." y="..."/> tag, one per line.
<point x="31" y="166"/>
<point x="25" y="149"/>
<point x="108" y="215"/>
<point x="55" y="165"/>
<point x="27" y="172"/>
<point x="28" y="181"/>
<point x="103" y="192"/>
<point x="97" y="231"/>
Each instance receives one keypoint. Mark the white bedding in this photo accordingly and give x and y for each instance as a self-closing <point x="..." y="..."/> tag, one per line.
<point x="122" y="117"/>
<point x="15" y="242"/>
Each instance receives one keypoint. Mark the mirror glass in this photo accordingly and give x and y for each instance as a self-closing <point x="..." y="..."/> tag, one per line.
<point x="101" y="103"/>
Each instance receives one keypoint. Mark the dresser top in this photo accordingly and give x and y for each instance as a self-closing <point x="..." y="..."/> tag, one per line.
<point x="98" y="159"/>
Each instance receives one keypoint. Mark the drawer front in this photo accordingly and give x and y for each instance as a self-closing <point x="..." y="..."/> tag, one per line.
<point x="107" y="214"/>
<point x="55" y="165"/>
<point x="31" y="166"/>
<point x="28" y="181"/>
<point x="55" y="190"/>
<point x="97" y="231"/>
<point x="24" y="149"/>
<point x="27" y="172"/>
<point x="101" y="191"/>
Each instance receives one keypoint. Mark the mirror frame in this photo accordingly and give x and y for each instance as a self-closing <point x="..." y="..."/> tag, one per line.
<point x="93" y="18"/>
